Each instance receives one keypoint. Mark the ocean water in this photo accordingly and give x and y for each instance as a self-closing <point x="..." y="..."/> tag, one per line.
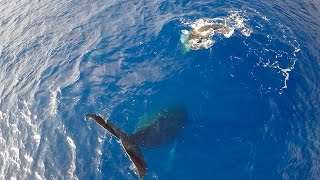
<point x="252" y="98"/>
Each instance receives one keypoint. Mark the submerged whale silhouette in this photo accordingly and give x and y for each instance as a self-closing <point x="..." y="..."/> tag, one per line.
<point x="153" y="130"/>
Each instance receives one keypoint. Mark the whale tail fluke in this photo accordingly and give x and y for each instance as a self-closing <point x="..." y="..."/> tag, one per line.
<point x="108" y="126"/>
<point x="130" y="148"/>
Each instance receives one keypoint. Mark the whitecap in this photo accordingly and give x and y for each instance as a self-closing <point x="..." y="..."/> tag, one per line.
<point x="38" y="176"/>
<point x="72" y="166"/>
<point x="28" y="158"/>
<point x="37" y="138"/>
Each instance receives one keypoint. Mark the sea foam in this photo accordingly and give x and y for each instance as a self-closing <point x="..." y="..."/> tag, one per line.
<point x="231" y="24"/>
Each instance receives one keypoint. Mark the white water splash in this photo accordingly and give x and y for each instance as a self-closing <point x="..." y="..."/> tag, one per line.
<point x="232" y="23"/>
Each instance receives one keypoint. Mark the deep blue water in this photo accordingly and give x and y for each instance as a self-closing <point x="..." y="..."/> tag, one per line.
<point x="253" y="102"/>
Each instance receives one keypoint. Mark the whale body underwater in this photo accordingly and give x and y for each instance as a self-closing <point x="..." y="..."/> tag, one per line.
<point x="154" y="130"/>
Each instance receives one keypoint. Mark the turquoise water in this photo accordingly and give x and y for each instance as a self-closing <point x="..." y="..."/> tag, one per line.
<point x="253" y="100"/>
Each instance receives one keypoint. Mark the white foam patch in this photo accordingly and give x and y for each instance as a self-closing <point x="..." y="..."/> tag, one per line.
<point x="14" y="157"/>
<point x="53" y="102"/>
<point x="229" y="33"/>
<point x="15" y="151"/>
<point x="71" y="143"/>
<point x="99" y="152"/>
<point x="233" y="23"/>
<point x="246" y="32"/>
<point x="37" y="138"/>
<point x="282" y="60"/>
<point x="28" y="112"/>
<point x="100" y="140"/>
<point x="98" y="161"/>
<point x="38" y="176"/>
<point x="285" y="72"/>
<point x="1" y="115"/>
<point x="72" y="167"/>
<point x="28" y="158"/>
<point x="14" y="128"/>
<point x="2" y="140"/>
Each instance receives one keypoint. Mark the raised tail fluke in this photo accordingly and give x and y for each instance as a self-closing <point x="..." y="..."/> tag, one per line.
<point x="130" y="148"/>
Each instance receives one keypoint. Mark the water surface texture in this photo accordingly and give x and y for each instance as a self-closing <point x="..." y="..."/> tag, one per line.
<point x="253" y="96"/>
